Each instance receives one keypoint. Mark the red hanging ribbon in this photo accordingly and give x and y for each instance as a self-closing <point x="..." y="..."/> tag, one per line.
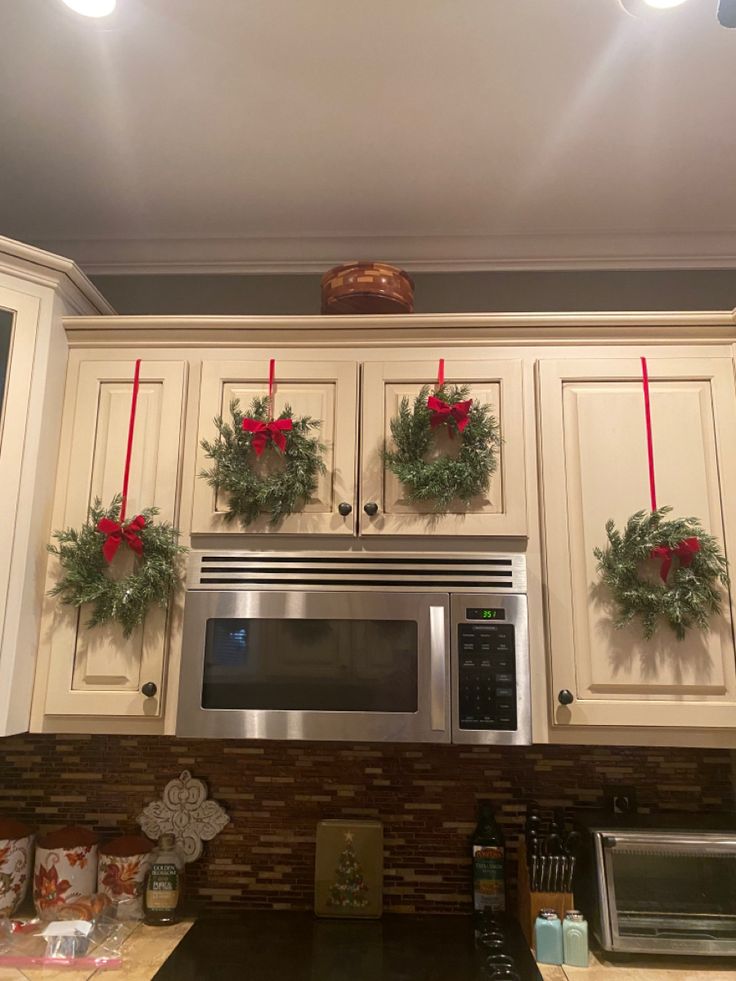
<point x="441" y="373"/>
<point x="650" y="444"/>
<point x="115" y="532"/>
<point x="442" y="412"/>
<point x="271" y="376"/>
<point x="685" y="552"/>
<point x="263" y="432"/>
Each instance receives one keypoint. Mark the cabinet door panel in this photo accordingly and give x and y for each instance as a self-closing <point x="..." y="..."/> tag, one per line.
<point x="503" y="510"/>
<point x="19" y="326"/>
<point x="324" y="391"/>
<point x="594" y="467"/>
<point x="97" y="671"/>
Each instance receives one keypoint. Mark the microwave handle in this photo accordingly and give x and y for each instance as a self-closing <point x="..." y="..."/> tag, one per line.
<point x="437" y="667"/>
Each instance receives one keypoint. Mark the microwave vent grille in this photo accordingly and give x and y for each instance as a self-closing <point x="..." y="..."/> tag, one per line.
<point x="345" y="571"/>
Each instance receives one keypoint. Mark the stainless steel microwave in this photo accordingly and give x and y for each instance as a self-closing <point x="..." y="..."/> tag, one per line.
<point x="660" y="883"/>
<point x="393" y="647"/>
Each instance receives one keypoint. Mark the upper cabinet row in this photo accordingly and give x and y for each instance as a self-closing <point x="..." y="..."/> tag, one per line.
<point x="355" y="404"/>
<point x="580" y="412"/>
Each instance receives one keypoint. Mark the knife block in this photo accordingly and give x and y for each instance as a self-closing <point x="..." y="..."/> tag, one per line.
<point x="531" y="902"/>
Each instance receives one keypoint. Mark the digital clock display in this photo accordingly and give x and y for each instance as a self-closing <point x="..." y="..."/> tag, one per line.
<point x="485" y="613"/>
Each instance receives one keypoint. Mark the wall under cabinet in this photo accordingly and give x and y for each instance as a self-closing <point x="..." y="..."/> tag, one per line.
<point x="460" y="292"/>
<point x="276" y="792"/>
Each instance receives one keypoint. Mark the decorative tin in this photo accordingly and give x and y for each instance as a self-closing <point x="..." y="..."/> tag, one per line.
<point x="348" y="872"/>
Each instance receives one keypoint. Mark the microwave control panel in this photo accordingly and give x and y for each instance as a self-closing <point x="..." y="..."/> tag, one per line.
<point x="491" y="694"/>
<point x="486" y="673"/>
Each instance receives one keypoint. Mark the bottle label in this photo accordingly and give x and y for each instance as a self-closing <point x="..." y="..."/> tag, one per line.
<point x="162" y="891"/>
<point x="489" y="886"/>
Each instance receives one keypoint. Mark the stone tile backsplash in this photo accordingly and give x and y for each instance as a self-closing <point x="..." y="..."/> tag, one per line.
<point x="275" y="792"/>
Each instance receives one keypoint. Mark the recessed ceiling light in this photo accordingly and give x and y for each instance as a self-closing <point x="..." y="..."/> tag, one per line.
<point x="92" y="8"/>
<point x="663" y="4"/>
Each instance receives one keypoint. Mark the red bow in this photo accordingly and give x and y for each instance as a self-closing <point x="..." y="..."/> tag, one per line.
<point x="684" y="551"/>
<point x="262" y="432"/>
<point x="115" y="532"/>
<point x="442" y="412"/>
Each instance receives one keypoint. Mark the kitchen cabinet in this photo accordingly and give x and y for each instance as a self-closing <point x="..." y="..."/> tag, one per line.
<point x="96" y="671"/>
<point x="594" y="467"/>
<point x="36" y="290"/>
<point x="503" y="510"/>
<point x="326" y="391"/>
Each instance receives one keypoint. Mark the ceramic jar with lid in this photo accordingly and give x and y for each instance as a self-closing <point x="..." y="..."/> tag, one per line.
<point x="16" y="845"/>
<point x="121" y="875"/>
<point x="64" y="870"/>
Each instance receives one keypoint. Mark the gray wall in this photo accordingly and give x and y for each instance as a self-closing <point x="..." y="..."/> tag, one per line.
<point x="6" y="326"/>
<point x="700" y="289"/>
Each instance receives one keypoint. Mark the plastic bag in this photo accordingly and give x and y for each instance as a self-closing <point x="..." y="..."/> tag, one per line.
<point x="78" y="944"/>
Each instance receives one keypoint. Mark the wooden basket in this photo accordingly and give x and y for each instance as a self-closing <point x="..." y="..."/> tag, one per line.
<point x="367" y="287"/>
<point x="530" y="902"/>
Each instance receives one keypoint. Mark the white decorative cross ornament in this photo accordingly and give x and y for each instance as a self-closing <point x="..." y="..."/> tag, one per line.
<point x="184" y="811"/>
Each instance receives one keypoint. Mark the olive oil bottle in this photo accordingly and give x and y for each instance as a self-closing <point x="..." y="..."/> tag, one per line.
<point x="489" y="862"/>
<point x="162" y="898"/>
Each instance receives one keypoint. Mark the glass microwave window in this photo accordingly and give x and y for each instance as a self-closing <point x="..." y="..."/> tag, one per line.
<point x="672" y="893"/>
<point x="311" y="665"/>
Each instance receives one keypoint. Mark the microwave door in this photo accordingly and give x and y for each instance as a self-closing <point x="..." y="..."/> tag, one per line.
<point x="669" y="892"/>
<point x="315" y="665"/>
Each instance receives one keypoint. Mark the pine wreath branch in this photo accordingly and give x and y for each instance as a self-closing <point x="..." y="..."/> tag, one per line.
<point x="446" y="479"/>
<point x="86" y="578"/>
<point x="691" y="594"/>
<point x="250" y="491"/>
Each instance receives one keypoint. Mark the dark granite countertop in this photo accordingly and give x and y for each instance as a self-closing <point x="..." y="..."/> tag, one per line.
<point x="275" y="946"/>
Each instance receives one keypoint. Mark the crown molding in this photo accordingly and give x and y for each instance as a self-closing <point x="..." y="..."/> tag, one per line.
<point x="151" y="256"/>
<point x="54" y="271"/>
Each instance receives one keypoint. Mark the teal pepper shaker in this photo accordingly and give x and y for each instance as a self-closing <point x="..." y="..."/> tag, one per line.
<point x="575" y="939"/>
<point x="548" y="937"/>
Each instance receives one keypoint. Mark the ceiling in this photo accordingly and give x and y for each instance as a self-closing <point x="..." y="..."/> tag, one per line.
<point x="286" y="135"/>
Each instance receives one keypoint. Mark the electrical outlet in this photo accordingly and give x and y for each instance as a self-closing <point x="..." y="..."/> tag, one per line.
<point x="620" y="800"/>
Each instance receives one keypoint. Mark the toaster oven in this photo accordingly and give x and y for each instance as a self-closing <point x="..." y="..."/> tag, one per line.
<point x="659" y="883"/>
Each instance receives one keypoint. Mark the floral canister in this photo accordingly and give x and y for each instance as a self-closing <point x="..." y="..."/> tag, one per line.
<point x="65" y="869"/>
<point x="121" y="875"/>
<point x="16" y="842"/>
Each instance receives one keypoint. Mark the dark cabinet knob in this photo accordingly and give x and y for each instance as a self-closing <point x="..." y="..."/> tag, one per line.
<point x="344" y="508"/>
<point x="149" y="689"/>
<point x="370" y="508"/>
<point x="565" y="697"/>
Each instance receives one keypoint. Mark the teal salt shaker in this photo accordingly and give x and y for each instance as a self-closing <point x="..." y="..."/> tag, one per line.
<point x="548" y="937"/>
<point x="575" y="939"/>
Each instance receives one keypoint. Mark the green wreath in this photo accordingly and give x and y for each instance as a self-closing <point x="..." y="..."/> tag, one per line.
<point x="252" y="490"/>
<point x="685" y="593"/>
<point x="448" y="478"/>
<point x="86" y="576"/>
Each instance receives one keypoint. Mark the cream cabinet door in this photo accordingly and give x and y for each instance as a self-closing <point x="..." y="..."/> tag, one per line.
<point x="97" y="671"/>
<point x="503" y="510"/>
<point x="594" y="467"/>
<point x="19" y="319"/>
<point x="323" y="390"/>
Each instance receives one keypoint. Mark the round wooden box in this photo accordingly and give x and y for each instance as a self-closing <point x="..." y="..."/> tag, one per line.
<point x="367" y="287"/>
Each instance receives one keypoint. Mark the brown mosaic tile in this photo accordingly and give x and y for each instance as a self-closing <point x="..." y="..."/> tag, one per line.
<point x="275" y="793"/>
